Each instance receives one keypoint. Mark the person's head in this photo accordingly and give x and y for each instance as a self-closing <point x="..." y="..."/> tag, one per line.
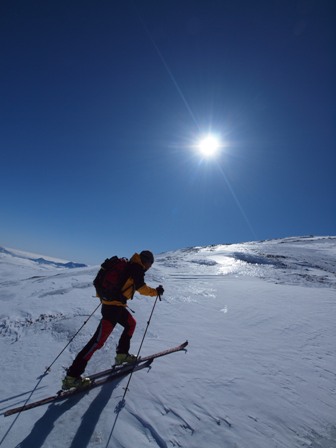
<point x="147" y="258"/>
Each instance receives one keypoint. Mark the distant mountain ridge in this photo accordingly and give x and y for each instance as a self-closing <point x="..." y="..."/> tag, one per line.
<point x="41" y="260"/>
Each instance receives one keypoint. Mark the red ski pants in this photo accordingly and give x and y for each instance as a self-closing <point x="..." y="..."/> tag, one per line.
<point x="111" y="315"/>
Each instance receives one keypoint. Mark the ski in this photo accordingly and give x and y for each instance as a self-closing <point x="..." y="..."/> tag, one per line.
<point x="153" y="356"/>
<point x="98" y="379"/>
<point x="62" y="395"/>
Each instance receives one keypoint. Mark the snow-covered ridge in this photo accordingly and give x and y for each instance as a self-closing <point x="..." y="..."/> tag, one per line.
<point x="41" y="260"/>
<point x="300" y="260"/>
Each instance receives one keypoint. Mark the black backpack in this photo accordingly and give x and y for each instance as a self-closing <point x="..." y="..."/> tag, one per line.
<point x="111" y="277"/>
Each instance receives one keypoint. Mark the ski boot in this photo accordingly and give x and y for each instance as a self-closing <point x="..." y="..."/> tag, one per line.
<point x="72" y="382"/>
<point x="122" y="358"/>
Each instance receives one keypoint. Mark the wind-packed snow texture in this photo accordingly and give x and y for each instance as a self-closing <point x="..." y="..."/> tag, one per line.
<point x="259" y="372"/>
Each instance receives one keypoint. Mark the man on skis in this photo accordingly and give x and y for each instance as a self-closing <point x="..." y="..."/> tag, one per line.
<point x="114" y="311"/>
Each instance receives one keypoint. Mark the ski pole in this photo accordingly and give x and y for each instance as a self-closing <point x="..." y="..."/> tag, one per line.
<point x="73" y="337"/>
<point x="143" y="338"/>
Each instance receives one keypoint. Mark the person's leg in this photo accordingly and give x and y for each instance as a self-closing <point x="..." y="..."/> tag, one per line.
<point x="128" y="322"/>
<point x="96" y="342"/>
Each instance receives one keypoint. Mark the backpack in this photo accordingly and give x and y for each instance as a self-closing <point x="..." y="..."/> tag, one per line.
<point x="111" y="277"/>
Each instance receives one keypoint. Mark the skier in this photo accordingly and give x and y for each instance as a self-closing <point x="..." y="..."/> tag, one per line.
<point x="115" y="312"/>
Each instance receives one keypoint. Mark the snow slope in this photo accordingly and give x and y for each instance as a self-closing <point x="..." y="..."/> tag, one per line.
<point x="260" y="370"/>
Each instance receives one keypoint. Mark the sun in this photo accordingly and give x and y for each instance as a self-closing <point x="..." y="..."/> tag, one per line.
<point x="209" y="146"/>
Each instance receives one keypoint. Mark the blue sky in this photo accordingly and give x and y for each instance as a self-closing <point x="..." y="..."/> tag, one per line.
<point x="102" y="104"/>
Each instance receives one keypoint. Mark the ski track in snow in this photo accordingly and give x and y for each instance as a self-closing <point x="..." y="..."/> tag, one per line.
<point x="259" y="371"/>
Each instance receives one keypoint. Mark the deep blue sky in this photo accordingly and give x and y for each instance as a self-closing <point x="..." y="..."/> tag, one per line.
<point x="102" y="101"/>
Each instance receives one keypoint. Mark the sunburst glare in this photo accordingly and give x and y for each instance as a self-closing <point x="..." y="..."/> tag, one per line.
<point x="209" y="146"/>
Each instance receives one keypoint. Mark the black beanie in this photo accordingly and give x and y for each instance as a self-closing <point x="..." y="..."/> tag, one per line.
<point x="147" y="256"/>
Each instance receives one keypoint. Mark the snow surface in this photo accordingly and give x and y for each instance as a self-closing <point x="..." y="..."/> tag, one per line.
<point x="259" y="372"/>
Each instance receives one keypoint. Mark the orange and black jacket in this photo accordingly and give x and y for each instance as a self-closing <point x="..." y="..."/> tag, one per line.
<point x="134" y="282"/>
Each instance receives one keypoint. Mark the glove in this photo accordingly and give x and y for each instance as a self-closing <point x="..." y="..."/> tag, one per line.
<point x="160" y="290"/>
